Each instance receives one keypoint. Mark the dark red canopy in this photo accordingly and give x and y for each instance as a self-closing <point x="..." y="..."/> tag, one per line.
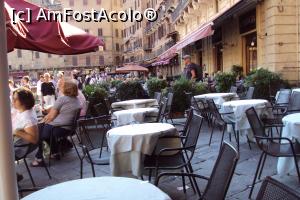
<point x="44" y="36"/>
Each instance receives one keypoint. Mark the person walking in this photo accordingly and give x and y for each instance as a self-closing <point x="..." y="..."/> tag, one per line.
<point x="191" y="70"/>
<point x="48" y="92"/>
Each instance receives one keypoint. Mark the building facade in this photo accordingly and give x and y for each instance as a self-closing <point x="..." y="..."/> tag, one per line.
<point x="249" y="33"/>
<point x="108" y="56"/>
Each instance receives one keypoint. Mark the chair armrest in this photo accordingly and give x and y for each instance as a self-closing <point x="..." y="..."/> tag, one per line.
<point x="179" y="174"/>
<point x="227" y="113"/>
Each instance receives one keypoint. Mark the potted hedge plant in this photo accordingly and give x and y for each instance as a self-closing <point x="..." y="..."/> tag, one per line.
<point x="95" y="94"/>
<point x="180" y="100"/>
<point x="266" y="83"/>
<point x="156" y="85"/>
<point x="224" y="80"/>
<point x="128" y="90"/>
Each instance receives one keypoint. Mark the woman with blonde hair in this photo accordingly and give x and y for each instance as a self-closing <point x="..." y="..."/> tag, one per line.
<point x="60" y="116"/>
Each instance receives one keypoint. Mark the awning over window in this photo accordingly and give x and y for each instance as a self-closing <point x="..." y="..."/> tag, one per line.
<point x="165" y="61"/>
<point x="202" y="32"/>
<point x="206" y="29"/>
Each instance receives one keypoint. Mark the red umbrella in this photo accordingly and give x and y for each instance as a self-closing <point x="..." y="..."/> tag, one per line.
<point x="45" y="36"/>
<point x="131" y="68"/>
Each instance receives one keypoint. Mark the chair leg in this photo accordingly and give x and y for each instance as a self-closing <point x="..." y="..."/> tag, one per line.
<point x="150" y="175"/>
<point x="256" y="173"/>
<point x="81" y="168"/>
<point x="29" y="172"/>
<point x="93" y="169"/>
<point x="191" y="179"/>
<point x="297" y="167"/>
<point x="46" y="168"/>
<point x="212" y="132"/>
<point x="223" y="133"/>
<point x="102" y="142"/>
<point x="237" y="137"/>
<point x="183" y="182"/>
<point x="249" y="144"/>
<point x="262" y="166"/>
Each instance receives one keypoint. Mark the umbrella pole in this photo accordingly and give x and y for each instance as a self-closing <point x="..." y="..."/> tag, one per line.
<point x="8" y="185"/>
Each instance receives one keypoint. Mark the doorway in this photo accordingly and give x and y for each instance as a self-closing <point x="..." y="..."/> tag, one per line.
<point x="218" y="57"/>
<point x="250" y="52"/>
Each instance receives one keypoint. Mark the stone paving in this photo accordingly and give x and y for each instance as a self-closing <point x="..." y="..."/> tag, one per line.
<point x="68" y="169"/>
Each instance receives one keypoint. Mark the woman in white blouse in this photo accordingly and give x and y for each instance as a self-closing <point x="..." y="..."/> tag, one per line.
<point x="24" y="121"/>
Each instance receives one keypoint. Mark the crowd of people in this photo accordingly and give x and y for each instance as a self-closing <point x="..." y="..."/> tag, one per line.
<point x="48" y="112"/>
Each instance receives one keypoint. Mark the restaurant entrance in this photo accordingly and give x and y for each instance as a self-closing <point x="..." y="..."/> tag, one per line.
<point x="250" y="42"/>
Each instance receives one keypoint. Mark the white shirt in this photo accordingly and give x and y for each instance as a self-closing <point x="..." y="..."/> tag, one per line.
<point x="39" y="88"/>
<point x="22" y="120"/>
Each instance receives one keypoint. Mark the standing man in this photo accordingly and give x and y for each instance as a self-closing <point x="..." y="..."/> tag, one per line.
<point x="39" y="89"/>
<point x="191" y="70"/>
<point x="25" y="82"/>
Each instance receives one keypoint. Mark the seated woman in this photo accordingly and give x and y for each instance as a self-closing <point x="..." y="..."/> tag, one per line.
<point x="60" y="116"/>
<point x="24" y="122"/>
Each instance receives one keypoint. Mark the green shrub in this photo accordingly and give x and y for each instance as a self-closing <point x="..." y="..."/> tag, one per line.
<point x="224" y="80"/>
<point x="130" y="90"/>
<point x="182" y="85"/>
<point x="237" y="69"/>
<point x="115" y="83"/>
<point x="95" y="94"/>
<point x="266" y="83"/>
<point x="156" y="85"/>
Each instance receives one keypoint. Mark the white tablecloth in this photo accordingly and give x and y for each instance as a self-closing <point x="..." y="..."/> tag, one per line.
<point x="135" y="103"/>
<point x="129" y="143"/>
<point x="290" y="130"/>
<point x="103" y="188"/>
<point x="239" y="108"/>
<point x="136" y="115"/>
<point x="219" y="98"/>
<point x="296" y="90"/>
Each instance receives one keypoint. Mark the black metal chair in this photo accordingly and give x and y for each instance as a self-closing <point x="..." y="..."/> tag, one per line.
<point x="167" y="114"/>
<point x="233" y="89"/>
<point x="92" y="133"/>
<point x="272" y="189"/>
<point x="221" y="176"/>
<point x="157" y="96"/>
<point x="199" y="106"/>
<point x="281" y="100"/>
<point x="161" y="113"/>
<point x="21" y="153"/>
<point x="270" y="146"/>
<point x="219" y="120"/>
<point x="71" y="132"/>
<point x="249" y="93"/>
<point x="176" y="158"/>
<point x="293" y="106"/>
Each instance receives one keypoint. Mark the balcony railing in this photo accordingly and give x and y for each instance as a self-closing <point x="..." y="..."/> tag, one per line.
<point x="161" y="14"/>
<point x="180" y="7"/>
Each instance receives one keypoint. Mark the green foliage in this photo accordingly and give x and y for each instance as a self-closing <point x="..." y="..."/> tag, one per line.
<point x="182" y="85"/>
<point x="224" y="80"/>
<point x="237" y="69"/>
<point x="115" y="83"/>
<point x="156" y="85"/>
<point x="95" y="94"/>
<point x="266" y="83"/>
<point x="200" y="88"/>
<point x="130" y="90"/>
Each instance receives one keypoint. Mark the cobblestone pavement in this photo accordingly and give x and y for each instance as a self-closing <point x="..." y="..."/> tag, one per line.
<point x="68" y="169"/>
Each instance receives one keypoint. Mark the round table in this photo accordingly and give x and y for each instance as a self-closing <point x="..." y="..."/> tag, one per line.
<point x="108" y="188"/>
<point x="135" y="103"/>
<point x="136" y="115"/>
<point x="290" y="130"/>
<point x="238" y="109"/>
<point x="128" y="144"/>
<point x="219" y="98"/>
